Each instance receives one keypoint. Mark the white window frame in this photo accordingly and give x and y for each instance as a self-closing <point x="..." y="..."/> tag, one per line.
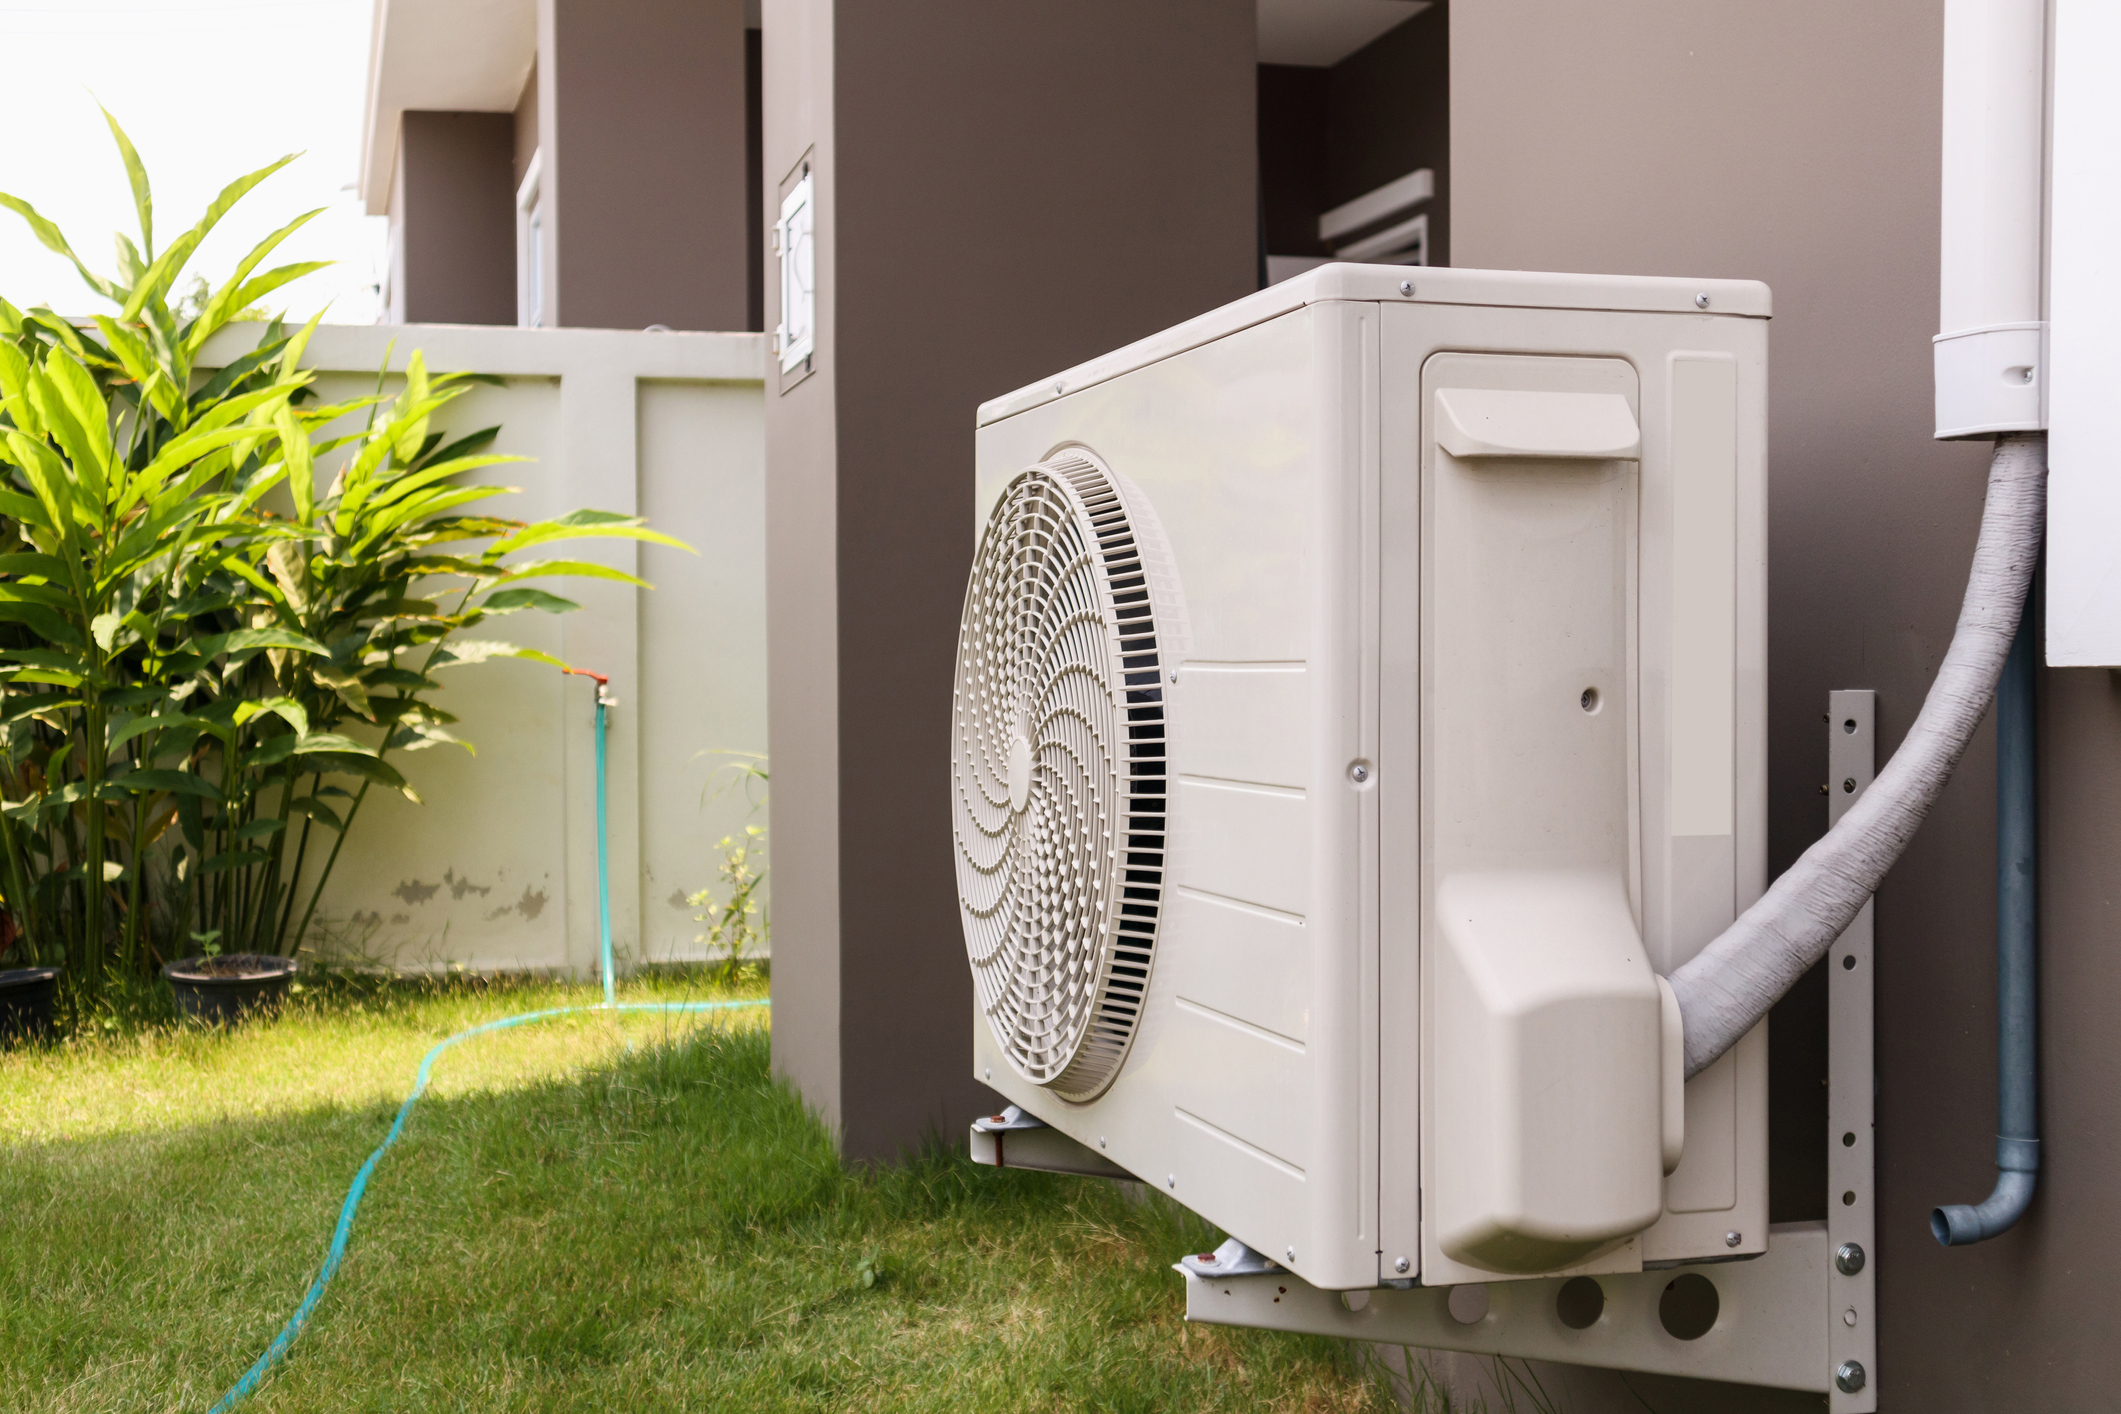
<point x="794" y="239"/>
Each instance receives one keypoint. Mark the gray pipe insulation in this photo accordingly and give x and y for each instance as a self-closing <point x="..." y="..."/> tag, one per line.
<point x="1731" y="984"/>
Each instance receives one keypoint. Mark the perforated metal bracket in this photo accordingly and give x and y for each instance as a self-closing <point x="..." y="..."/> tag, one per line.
<point x="1801" y="1316"/>
<point x="1852" y="1315"/>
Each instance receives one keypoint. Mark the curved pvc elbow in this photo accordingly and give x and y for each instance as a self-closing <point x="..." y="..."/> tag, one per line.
<point x="1958" y="1225"/>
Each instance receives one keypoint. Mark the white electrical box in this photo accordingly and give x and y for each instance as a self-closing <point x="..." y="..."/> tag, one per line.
<point x="1360" y="708"/>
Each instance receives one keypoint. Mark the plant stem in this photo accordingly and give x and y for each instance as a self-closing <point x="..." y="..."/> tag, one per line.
<point x="330" y="860"/>
<point x="92" y="876"/>
<point x="294" y="879"/>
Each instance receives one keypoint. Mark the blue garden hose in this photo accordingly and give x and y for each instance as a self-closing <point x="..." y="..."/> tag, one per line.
<point x="243" y="1388"/>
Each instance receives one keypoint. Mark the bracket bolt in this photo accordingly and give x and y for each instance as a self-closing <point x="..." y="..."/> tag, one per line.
<point x="1400" y="1264"/>
<point x="1849" y="1378"/>
<point x="1359" y="772"/>
<point x="1701" y="301"/>
<point x="1732" y="1239"/>
<point x="1848" y="1259"/>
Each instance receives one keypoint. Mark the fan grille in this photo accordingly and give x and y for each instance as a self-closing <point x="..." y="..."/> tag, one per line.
<point x="1058" y="767"/>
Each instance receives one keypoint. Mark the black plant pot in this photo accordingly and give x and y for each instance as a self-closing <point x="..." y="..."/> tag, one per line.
<point x="26" y="996"/>
<point x="227" y="989"/>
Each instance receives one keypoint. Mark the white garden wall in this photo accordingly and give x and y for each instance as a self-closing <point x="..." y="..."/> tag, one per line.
<point x="498" y="868"/>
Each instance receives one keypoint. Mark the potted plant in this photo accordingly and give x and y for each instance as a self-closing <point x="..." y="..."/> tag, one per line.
<point x="224" y="988"/>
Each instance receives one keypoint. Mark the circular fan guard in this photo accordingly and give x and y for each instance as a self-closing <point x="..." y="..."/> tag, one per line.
<point x="1057" y="760"/>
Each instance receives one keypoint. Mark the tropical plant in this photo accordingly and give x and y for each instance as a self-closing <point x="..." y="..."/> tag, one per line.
<point x="176" y="651"/>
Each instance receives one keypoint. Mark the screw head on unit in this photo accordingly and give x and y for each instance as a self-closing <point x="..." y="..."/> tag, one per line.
<point x="1406" y="287"/>
<point x="990" y="1072"/>
<point x="1732" y="1239"/>
<point x="1849" y="1378"/>
<point x="1400" y="1264"/>
<point x="1289" y="1252"/>
<point x="1174" y="675"/>
<point x="1848" y="1259"/>
<point x="1171" y="1181"/>
<point x="1359" y="772"/>
<point x="1701" y="301"/>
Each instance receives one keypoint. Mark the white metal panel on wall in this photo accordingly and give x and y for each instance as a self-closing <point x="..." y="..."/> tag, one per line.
<point x="2084" y="341"/>
<point x="497" y="869"/>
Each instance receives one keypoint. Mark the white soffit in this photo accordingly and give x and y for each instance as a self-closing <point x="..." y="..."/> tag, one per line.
<point x="1320" y="33"/>
<point x="453" y="55"/>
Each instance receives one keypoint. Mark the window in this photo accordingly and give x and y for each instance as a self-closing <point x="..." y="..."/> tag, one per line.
<point x="796" y="337"/>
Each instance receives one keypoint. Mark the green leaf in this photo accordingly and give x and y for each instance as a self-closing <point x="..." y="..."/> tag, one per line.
<point x="317" y="810"/>
<point x="143" y="201"/>
<point x="330" y="742"/>
<point x="507" y="601"/>
<point x="286" y="708"/>
<point x="244" y="640"/>
<point x="234" y="859"/>
<point x="141" y="725"/>
<point x="53" y="240"/>
<point x="464" y="651"/>
<point x="104" y="628"/>
<point x="381" y="772"/>
<point x="260" y="827"/>
<point x="175" y="782"/>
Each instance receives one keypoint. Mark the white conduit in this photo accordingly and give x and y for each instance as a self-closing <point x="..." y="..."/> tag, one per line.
<point x="1730" y="985"/>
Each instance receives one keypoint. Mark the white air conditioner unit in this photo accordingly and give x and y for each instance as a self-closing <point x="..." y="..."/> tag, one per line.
<point x="1359" y="708"/>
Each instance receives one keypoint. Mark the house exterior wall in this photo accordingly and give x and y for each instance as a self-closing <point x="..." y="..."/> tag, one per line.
<point x="641" y="117"/>
<point x="453" y="220"/>
<point x="970" y="240"/>
<point x="1799" y="145"/>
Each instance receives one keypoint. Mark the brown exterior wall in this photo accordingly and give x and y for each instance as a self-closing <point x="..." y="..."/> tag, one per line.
<point x="1004" y="192"/>
<point x="454" y="213"/>
<point x="1798" y="144"/>
<point x="641" y="119"/>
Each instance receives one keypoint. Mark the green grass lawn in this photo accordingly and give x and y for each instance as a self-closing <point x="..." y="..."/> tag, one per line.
<point x="589" y="1213"/>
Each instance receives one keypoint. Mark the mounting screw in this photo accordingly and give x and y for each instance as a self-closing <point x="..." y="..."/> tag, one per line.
<point x="1701" y="301"/>
<point x="1848" y="785"/>
<point x="1400" y="1264"/>
<point x="1849" y="1378"/>
<point x="1057" y="387"/>
<point x="1100" y="1141"/>
<point x="1848" y="1259"/>
<point x="1732" y="1239"/>
<point x="1289" y="1252"/>
<point x="1174" y="675"/>
<point x="1171" y="1181"/>
<point x="1359" y="772"/>
<point x="990" y="1072"/>
<point x="1406" y="287"/>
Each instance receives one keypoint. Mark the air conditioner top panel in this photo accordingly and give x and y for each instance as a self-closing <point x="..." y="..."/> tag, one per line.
<point x="1433" y="284"/>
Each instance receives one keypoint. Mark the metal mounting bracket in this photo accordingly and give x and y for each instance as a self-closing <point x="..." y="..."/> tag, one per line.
<point x="1800" y="1316"/>
<point x="1016" y="1140"/>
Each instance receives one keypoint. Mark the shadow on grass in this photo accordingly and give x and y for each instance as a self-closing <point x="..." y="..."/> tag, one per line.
<point x="670" y="1231"/>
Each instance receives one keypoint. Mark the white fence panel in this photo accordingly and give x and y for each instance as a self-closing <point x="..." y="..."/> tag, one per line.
<point x="497" y="869"/>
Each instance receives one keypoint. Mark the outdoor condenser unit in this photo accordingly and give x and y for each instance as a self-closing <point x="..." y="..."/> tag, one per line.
<point x="1359" y="709"/>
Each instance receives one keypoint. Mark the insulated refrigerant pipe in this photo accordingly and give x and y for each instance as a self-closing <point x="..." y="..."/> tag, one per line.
<point x="1731" y="984"/>
<point x="2017" y="923"/>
